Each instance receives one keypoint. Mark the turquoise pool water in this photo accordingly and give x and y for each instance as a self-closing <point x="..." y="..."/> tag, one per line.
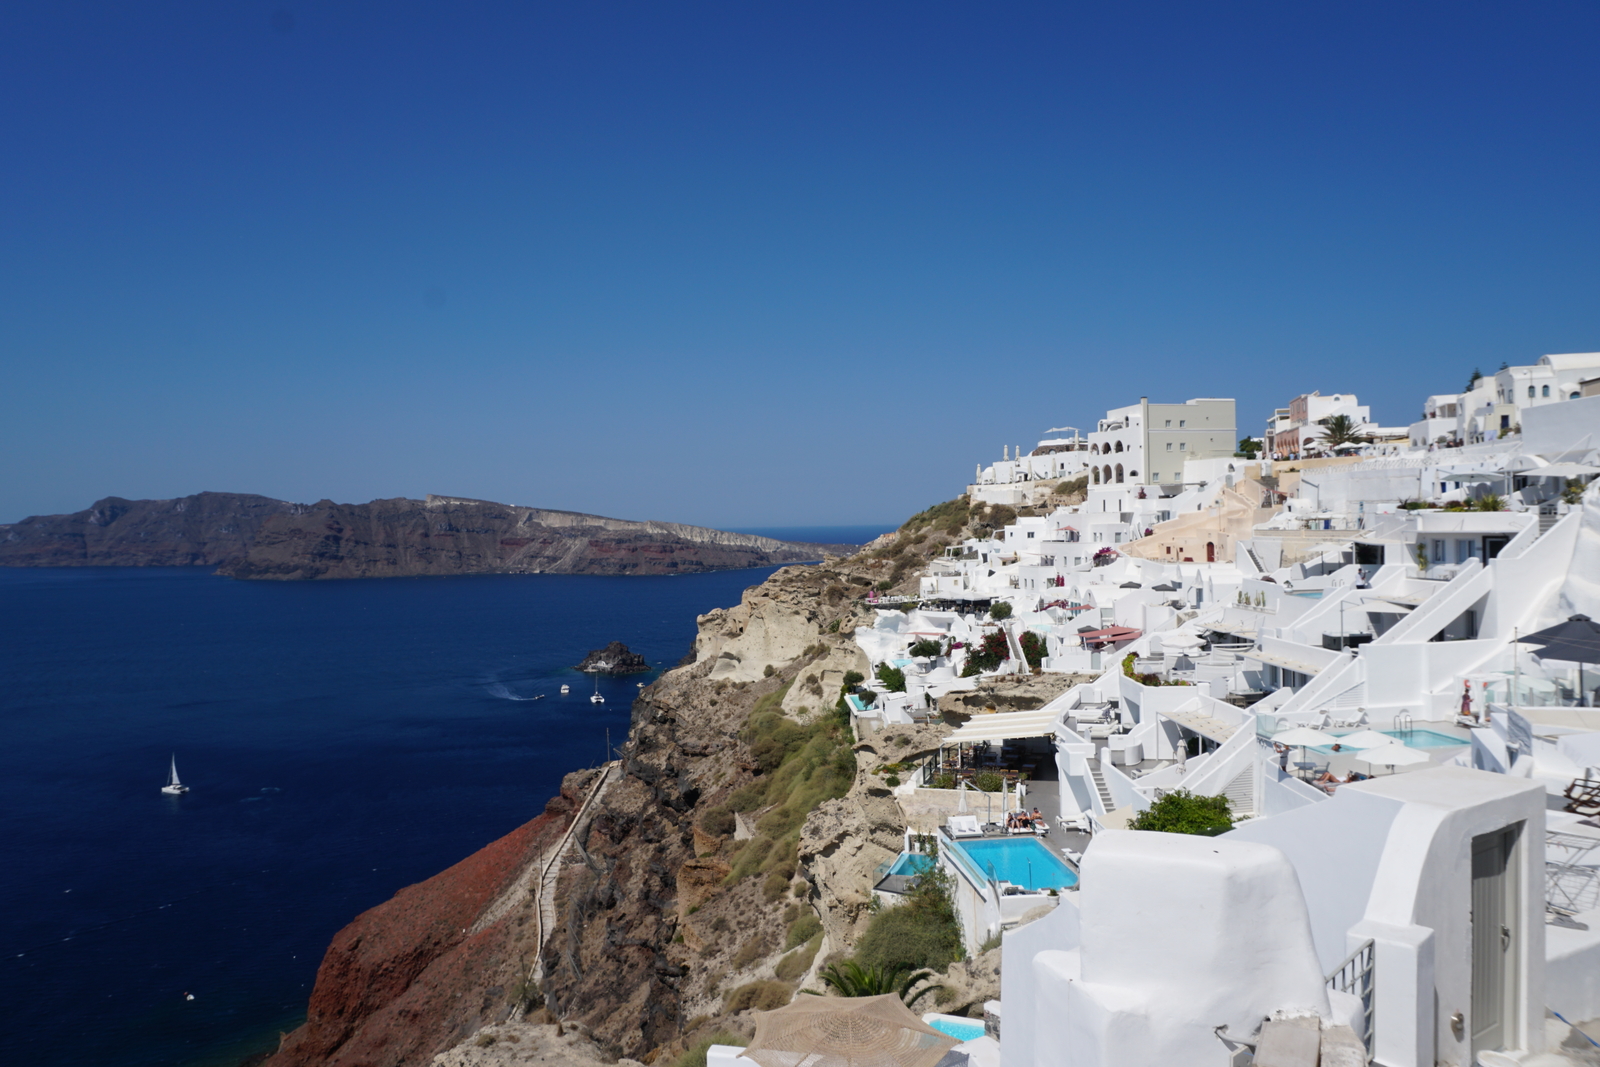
<point x="959" y="1031"/>
<point x="1024" y="861"/>
<point x="1425" y="738"/>
<point x="911" y="863"/>
<point x="1418" y="738"/>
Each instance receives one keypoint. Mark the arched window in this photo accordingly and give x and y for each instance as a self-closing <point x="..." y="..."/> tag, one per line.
<point x="1575" y="395"/>
<point x="1134" y="474"/>
<point x="1094" y="450"/>
<point x="1096" y="472"/>
<point x="1546" y="391"/>
<point x="1117" y="447"/>
<point x="1530" y="392"/>
<point x="1106" y="474"/>
<point x="1119" y="472"/>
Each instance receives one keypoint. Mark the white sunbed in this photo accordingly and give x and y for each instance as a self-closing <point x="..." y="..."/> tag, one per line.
<point x="963" y="826"/>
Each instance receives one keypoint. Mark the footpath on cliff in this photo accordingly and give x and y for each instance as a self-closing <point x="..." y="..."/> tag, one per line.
<point x="713" y="870"/>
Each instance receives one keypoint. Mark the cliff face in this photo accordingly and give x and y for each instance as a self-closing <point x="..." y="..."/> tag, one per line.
<point x="203" y="530"/>
<point x="695" y="888"/>
<point x="257" y="537"/>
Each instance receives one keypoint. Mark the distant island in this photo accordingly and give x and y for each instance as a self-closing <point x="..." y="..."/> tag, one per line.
<point x="615" y="658"/>
<point x="248" y="536"/>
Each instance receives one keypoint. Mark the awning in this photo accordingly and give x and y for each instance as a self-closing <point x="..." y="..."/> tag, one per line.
<point x="1004" y="726"/>
<point x="1203" y="724"/>
<point x="1110" y="634"/>
<point x="1561" y="470"/>
<point x="1285" y="662"/>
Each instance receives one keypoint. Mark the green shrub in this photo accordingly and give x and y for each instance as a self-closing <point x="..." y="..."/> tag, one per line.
<point x="988" y="781"/>
<point x="749" y="952"/>
<point x="756" y="996"/>
<point x="892" y="781"/>
<point x="1002" y="610"/>
<point x="922" y="932"/>
<point x="893" y="678"/>
<point x="1034" y="648"/>
<point x="1181" y="812"/>
<point x="833" y="627"/>
<point x="944" y="781"/>
<point x="718" y="822"/>
<point x="798" y="962"/>
<point x="696" y="1055"/>
<point x="803" y="929"/>
<point x="926" y="646"/>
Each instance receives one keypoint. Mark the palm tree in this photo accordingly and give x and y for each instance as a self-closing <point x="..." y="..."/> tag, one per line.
<point x="1341" y="430"/>
<point x="851" y="979"/>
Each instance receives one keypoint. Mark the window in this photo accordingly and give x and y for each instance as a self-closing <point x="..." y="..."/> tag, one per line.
<point x="1530" y="392"/>
<point x="1169" y="446"/>
<point x="1030" y="533"/>
<point x="1438" y="551"/>
<point x="1546" y="390"/>
<point x="1169" y="424"/>
<point x="1155" y="476"/>
<point x="1183" y="446"/>
<point x="1182" y="423"/>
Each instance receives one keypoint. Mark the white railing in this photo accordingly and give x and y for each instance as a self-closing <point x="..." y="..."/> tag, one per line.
<point x="1356" y="976"/>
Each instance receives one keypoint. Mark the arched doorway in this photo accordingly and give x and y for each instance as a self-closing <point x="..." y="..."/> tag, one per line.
<point x="1211" y="551"/>
<point x="1119" y="472"/>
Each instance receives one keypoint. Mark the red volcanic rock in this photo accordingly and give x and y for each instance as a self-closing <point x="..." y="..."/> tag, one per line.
<point x="408" y="978"/>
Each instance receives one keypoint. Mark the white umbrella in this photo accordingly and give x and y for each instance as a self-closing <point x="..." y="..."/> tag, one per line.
<point x="961" y="798"/>
<point x="1365" y="739"/>
<point x="1395" y="755"/>
<point x="1180" y="641"/>
<point x="1303" y="737"/>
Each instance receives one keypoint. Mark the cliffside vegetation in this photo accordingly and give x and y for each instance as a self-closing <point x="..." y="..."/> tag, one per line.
<point x="922" y="932"/>
<point x="797" y="767"/>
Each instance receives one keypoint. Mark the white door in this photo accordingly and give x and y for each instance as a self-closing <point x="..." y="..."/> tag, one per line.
<point x="1493" y="919"/>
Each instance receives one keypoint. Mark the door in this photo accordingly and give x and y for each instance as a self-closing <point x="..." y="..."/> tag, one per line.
<point x="1493" y="958"/>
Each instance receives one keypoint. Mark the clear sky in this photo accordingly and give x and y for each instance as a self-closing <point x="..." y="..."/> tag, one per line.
<point x="754" y="263"/>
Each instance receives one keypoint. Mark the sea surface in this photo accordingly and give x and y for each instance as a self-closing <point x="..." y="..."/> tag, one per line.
<point x="342" y="740"/>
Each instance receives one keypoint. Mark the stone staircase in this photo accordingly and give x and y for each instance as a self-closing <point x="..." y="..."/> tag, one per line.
<point x="1099" y="779"/>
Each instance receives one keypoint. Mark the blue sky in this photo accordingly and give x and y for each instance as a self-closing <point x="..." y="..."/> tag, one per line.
<point x="753" y="264"/>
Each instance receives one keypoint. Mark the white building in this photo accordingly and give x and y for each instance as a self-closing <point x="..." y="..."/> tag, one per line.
<point x="1147" y="444"/>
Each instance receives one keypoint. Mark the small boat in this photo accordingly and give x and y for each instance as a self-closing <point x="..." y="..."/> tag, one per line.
<point x="566" y="688"/>
<point x="597" y="698"/>
<point x="173" y="786"/>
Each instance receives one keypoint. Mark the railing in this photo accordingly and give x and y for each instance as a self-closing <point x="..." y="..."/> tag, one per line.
<point x="1356" y="976"/>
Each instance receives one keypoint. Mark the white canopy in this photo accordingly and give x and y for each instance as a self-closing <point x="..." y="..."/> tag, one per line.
<point x="1004" y="726"/>
<point x="1395" y="755"/>
<point x="1303" y="737"/>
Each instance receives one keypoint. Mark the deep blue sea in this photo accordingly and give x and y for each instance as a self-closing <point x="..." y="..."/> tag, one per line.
<point x="342" y="740"/>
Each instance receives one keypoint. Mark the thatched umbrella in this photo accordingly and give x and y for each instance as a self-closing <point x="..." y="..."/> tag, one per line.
<point x="846" y="1032"/>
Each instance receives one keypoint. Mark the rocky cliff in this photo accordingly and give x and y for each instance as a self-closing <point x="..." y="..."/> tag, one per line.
<point x="256" y="537"/>
<point x="724" y="859"/>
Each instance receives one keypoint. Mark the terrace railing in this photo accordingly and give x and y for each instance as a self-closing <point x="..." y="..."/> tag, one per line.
<point x="1355" y="976"/>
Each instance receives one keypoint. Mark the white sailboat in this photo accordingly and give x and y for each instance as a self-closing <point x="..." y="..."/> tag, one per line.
<point x="597" y="698"/>
<point x="173" y="786"/>
<point x="566" y="688"/>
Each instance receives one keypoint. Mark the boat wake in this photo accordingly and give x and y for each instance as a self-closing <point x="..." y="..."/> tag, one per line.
<point x="501" y="692"/>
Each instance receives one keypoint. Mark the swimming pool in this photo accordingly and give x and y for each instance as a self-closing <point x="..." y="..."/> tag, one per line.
<point x="1420" y="738"/>
<point x="1417" y="738"/>
<point x="911" y="863"/>
<point x="1023" y="861"/>
<point x="955" y="1026"/>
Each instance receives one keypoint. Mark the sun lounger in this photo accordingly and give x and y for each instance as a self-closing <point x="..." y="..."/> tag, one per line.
<point x="963" y="826"/>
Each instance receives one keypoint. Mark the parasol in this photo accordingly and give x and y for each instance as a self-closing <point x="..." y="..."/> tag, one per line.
<point x="1577" y="641"/>
<point x="846" y="1032"/>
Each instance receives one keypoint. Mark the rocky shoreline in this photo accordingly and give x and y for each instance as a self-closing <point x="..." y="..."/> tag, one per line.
<point x="615" y="658"/>
<point x="671" y="913"/>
